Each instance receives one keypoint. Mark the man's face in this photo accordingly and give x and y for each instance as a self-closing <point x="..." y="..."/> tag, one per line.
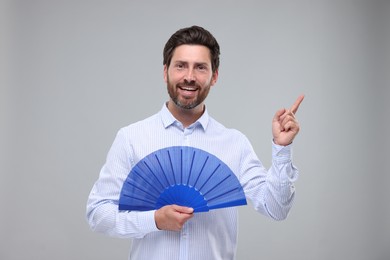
<point x="189" y="76"/>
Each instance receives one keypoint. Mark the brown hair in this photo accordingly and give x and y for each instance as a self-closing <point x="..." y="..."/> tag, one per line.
<point x="194" y="35"/>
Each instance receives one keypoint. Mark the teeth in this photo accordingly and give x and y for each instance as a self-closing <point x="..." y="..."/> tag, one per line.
<point x="189" y="89"/>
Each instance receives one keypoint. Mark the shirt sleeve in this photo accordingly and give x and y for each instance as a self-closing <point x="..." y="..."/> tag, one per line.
<point x="270" y="191"/>
<point x="102" y="205"/>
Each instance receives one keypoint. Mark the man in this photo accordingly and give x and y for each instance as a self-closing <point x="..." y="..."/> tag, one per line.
<point x="191" y="60"/>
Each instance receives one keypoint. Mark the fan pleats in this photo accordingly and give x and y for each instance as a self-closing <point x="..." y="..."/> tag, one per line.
<point x="181" y="175"/>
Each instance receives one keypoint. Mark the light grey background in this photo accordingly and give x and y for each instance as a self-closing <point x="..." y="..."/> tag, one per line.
<point x="74" y="72"/>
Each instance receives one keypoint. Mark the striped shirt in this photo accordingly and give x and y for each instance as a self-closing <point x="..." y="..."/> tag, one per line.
<point x="210" y="235"/>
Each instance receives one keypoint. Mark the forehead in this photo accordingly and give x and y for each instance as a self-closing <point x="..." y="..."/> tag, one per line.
<point x="192" y="53"/>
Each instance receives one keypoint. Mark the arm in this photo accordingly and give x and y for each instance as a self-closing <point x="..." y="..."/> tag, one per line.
<point x="102" y="206"/>
<point x="272" y="192"/>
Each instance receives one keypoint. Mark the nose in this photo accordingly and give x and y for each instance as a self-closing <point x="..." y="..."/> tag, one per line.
<point x="190" y="76"/>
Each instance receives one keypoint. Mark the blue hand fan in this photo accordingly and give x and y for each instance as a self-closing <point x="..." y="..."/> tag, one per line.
<point x="181" y="175"/>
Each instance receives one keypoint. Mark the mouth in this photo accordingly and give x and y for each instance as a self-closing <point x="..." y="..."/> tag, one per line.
<point x="188" y="88"/>
<point x="187" y="92"/>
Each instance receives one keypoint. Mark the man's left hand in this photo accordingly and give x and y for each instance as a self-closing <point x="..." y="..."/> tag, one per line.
<point x="284" y="124"/>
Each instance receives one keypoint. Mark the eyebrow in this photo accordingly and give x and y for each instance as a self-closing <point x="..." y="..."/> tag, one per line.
<point x="196" y="63"/>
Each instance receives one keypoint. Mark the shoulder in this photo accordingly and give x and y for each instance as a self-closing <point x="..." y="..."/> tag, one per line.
<point x="214" y="125"/>
<point x="218" y="128"/>
<point x="143" y="124"/>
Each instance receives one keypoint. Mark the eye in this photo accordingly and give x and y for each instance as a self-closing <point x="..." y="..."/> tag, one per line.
<point x="202" y="67"/>
<point x="179" y="66"/>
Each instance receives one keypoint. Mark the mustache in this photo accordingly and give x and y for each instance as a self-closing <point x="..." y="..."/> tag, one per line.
<point x="188" y="84"/>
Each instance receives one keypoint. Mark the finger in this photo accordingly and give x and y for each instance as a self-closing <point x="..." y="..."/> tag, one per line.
<point x="295" y="106"/>
<point x="286" y="119"/>
<point x="185" y="218"/>
<point x="286" y="114"/>
<point x="278" y="114"/>
<point x="291" y="126"/>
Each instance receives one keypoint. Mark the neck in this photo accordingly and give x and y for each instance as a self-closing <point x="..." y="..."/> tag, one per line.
<point x="186" y="116"/>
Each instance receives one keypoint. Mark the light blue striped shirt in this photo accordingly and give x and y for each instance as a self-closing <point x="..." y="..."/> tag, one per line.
<point x="211" y="235"/>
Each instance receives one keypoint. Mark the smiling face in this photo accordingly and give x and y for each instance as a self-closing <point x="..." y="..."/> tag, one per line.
<point x="189" y="76"/>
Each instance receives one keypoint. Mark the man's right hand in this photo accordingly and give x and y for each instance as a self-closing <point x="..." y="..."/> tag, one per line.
<point x="172" y="217"/>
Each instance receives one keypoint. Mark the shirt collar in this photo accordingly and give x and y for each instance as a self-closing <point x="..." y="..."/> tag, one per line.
<point x="168" y="119"/>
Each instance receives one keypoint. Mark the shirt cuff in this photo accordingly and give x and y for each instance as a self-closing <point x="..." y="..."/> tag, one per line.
<point x="281" y="154"/>
<point x="147" y="222"/>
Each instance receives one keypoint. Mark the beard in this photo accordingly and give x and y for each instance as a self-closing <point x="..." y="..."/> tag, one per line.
<point x="187" y="103"/>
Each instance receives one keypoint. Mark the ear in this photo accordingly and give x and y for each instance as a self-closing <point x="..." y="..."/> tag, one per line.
<point x="214" y="78"/>
<point x="165" y="73"/>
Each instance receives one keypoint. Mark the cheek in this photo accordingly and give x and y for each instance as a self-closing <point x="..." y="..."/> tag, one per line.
<point x="207" y="82"/>
<point x="169" y="76"/>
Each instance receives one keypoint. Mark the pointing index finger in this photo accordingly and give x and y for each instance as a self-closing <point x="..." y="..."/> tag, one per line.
<point x="295" y="106"/>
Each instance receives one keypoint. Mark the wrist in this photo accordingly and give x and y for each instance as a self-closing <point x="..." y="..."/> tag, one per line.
<point x="281" y="143"/>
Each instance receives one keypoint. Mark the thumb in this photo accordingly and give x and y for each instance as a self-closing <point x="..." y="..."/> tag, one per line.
<point x="183" y="209"/>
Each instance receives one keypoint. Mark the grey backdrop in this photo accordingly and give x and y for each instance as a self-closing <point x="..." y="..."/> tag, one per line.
<point x="74" y="72"/>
